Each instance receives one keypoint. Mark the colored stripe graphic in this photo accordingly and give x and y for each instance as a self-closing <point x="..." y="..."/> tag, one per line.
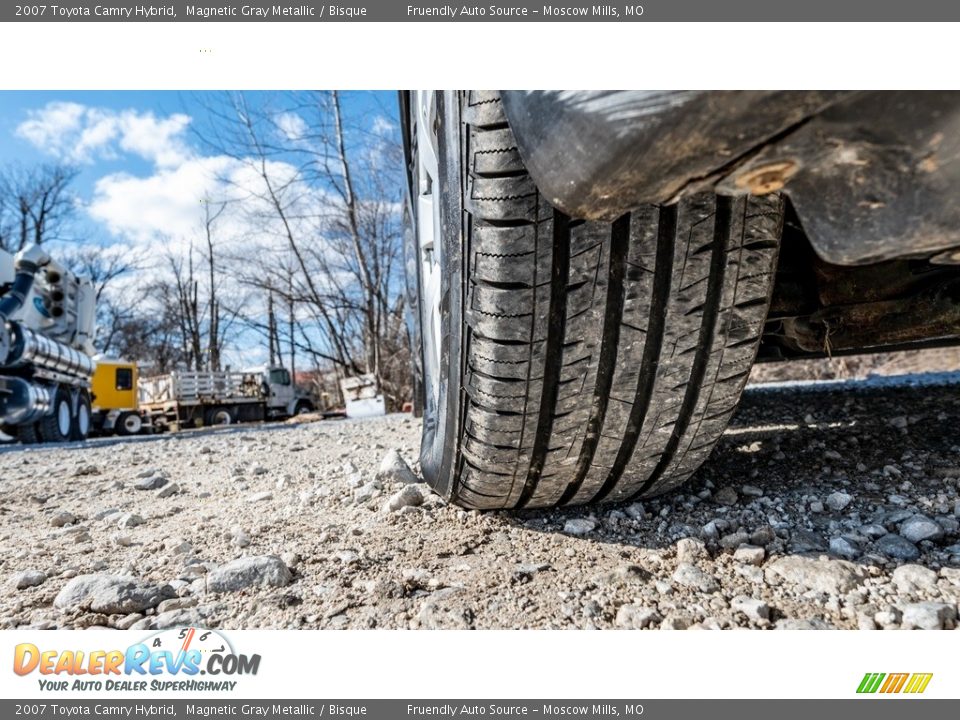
<point x="893" y="683"/>
<point x="870" y="683"/>
<point x="918" y="682"/>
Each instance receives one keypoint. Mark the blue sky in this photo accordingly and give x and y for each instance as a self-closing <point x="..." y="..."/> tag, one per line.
<point x="143" y="170"/>
<point x="128" y="142"/>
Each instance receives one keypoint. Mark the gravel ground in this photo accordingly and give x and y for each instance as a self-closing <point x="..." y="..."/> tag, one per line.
<point x="820" y="508"/>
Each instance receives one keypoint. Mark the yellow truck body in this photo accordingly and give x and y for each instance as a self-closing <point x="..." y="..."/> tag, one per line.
<point x="115" y="398"/>
<point x="114" y="386"/>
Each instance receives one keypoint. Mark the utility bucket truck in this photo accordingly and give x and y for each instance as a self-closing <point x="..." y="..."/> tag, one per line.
<point x="46" y="350"/>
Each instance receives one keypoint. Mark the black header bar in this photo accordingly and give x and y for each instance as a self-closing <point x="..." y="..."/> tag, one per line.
<point x="500" y="11"/>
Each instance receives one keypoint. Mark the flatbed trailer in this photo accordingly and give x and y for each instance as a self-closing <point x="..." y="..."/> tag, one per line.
<point x="184" y="399"/>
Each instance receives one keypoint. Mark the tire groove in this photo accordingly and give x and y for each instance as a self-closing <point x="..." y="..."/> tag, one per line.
<point x="607" y="362"/>
<point x="656" y="324"/>
<point x="715" y="286"/>
<point x="553" y="360"/>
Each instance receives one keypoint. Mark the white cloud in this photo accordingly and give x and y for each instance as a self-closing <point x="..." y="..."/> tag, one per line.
<point x="164" y="205"/>
<point x="163" y="212"/>
<point x="156" y="139"/>
<point x="291" y="125"/>
<point x="383" y="125"/>
<point x="81" y="134"/>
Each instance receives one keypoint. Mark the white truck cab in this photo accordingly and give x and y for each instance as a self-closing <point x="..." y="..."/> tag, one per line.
<point x="281" y="395"/>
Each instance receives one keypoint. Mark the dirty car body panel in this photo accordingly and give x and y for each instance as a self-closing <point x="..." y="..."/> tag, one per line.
<point x="873" y="176"/>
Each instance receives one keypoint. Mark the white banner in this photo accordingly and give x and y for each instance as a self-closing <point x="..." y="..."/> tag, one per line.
<point x="491" y="664"/>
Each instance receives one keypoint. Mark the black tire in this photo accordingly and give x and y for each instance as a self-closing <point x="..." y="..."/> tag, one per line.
<point x="29" y="434"/>
<point x="583" y="361"/>
<point x="57" y="426"/>
<point x="83" y="416"/>
<point x="127" y="424"/>
<point x="302" y="407"/>
<point x="220" y="416"/>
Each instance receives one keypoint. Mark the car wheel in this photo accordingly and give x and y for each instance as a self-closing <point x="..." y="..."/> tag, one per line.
<point x="128" y="423"/>
<point x="58" y="425"/>
<point x="29" y="434"/>
<point x="567" y="361"/>
<point x="81" y="418"/>
<point x="221" y="416"/>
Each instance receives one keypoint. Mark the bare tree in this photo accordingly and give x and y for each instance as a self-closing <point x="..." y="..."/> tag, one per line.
<point x="104" y="267"/>
<point x="35" y="205"/>
<point x="153" y="337"/>
<point x="327" y="197"/>
<point x="211" y="212"/>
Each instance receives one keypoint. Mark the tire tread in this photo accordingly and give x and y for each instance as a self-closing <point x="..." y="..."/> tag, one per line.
<point x="602" y="361"/>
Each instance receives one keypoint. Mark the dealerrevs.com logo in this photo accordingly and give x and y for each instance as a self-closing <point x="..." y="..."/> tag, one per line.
<point x="909" y="683"/>
<point x="168" y="660"/>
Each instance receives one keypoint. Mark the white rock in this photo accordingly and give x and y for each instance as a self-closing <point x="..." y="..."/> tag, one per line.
<point x="262" y="570"/>
<point x="919" y="528"/>
<point x="121" y="539"/>
<point x="110" y="594"/>
<point x="28" y="578"/>
<point x="753" y="608"/>
<point x="393" y="468"/>
<point x="239" y="537"/>
<point x="347" y="557"/>
<point x="579" y="526"/>
<point x="691" y="549"/>
<point x="929" y="616"/>
<point x="169" y="490"/>
<point x="125" y="623"/>
<point x="842" y="547"/>
<point x="367" y="492"/>
<point x="749" y="555"/>
<point x="838" y="501"/>
<point x="690" y="576"/>
<point x="150" y="483"/>
<point x="178" y="546"/>
<point x="636" y="617"/>
<point x="63" y="518"/>
<point x="888" y="619"/>
<point x="129" y="520"/>
<point x="834" y="577"/>
<point x="408" y="496"/>
<point x="911" y="578"/>
<point x="178" y="603"/>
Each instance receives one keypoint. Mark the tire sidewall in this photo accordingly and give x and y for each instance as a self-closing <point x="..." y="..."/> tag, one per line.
<point x="82" y="410"/>
<point x="221" y="417"/>
<point x="411" y="274"/>
<point x="121" y="424"/>
<point x="438" y="448"/>
<point x="49" y="427"/>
